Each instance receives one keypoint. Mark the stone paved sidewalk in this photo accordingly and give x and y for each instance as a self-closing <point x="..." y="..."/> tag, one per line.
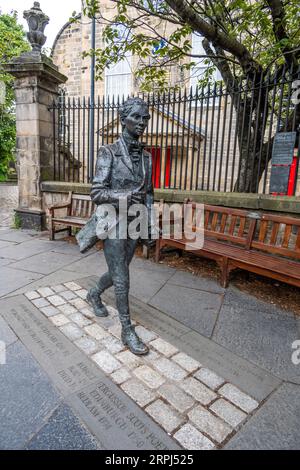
<point x="219" y="374"/>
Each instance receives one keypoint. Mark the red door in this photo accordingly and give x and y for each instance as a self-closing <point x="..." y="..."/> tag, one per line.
<point x="156" y="166"/>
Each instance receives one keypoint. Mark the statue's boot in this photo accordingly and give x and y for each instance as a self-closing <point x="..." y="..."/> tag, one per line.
<point x="128" y="334"/>
<point x="94" y="295"/>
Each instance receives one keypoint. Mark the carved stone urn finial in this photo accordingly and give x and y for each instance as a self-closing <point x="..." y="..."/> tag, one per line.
<point x="37" y="21"/>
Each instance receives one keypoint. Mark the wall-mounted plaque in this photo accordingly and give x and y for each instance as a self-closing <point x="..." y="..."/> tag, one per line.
<point x="279" y="179"/>
<point x="283" y="148"/>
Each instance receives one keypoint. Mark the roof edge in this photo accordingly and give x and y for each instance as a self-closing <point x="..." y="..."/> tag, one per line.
<point x="77" y="17"/>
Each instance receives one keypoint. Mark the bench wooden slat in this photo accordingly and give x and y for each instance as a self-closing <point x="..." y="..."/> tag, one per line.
<point x="232" y="224"/>
<point x="297" y="243"/>
<point x="214" y="221"/>
<point x="242" y="226"/>
<point x="286" y="236"/>
<point x="223" y="223"/>
<point x="274" y="233"/>
<point x="263" y="230"/>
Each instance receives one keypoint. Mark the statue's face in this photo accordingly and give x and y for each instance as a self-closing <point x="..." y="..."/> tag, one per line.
<point x="136" y="121"/>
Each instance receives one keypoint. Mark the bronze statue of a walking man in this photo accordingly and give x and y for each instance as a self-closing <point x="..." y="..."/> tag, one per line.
<point x="123" y="173"/>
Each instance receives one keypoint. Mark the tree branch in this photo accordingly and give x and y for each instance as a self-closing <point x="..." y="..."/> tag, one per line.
<point x="212" y="34"/>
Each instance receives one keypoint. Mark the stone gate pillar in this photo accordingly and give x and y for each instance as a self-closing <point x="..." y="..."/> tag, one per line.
<point x="36" y="85"/>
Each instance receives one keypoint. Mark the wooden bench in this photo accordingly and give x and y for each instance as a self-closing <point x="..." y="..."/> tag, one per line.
<point x="79" y="210"/>
<point x="265" y="244"/>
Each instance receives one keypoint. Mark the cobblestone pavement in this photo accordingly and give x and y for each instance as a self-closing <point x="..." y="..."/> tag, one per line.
<point x="197" y="407"/>
<point x="219" y="373"/>
<point x="8" y="202"/>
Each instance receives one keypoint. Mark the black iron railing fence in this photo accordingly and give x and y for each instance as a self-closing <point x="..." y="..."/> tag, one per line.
<point x="213" y="138"/>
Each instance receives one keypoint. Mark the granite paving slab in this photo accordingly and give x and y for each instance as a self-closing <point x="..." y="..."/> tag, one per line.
<point x="196" y="309"/>
<point x="45" y="263"/>
<point x="93" y="264"/>
<point x="63" y="431"/>
<point x="6" y="333"/>
<point x="26" y="249"/>
<point x="52" y="279"/>
<point x="11" y="279"/>
<point x="262" y="336"/>
<point x="184" y="279"/>
<point x="27" y="397"/>
<point x="275" y="426"/>
<point x="4" y="244"/>
<point x="18" y="236"/>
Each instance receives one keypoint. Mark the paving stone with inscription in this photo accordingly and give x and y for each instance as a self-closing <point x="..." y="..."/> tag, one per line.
<point x="138" y="392"/>
<point x="238" y="397"/>
<point x="117" y="421"/>
<point x="63" y="431"/>
<point x="187" y="362"/>
<point x="163" y="347"/>
<point x="275" y="426"/>
<point x="34" y="397"/>
<point x="198" y="391"/>
<point x="149" y="376"/>
<point x="206" y="422"/>
<point x="209" y="378"/>
<point x="176" y="397"/>
<point x="169" y="369"/>
<point x="106" y="361"/>
<point x="167" y="417"/>
<point x="192" y="439"/>
<point x="228" y="412"/>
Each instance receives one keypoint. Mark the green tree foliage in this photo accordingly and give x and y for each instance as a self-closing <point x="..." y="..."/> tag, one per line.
<point x="12" y="43"/>
<point x="259" y="39"/>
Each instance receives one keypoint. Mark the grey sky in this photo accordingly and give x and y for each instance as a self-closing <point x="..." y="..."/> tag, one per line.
<point x="59" y="11"/>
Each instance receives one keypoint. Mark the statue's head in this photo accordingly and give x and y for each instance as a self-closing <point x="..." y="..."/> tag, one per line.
<point x="134" y="114"/>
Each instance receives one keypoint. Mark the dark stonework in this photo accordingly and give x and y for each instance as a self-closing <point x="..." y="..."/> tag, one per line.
<point x="31" y="220"/>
